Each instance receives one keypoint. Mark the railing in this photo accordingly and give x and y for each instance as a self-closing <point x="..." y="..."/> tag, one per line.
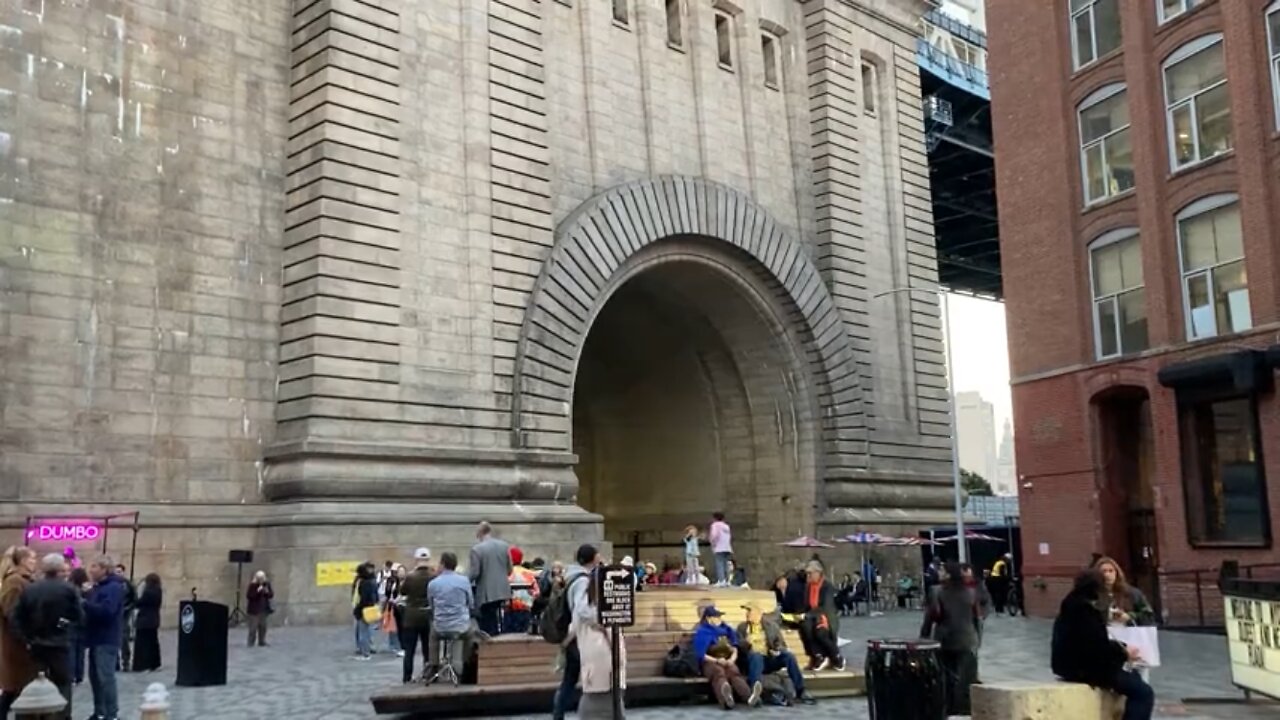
<point x="1190" y="599"/>
<point x="968" y="33"/>
<point x="949" y="65"/>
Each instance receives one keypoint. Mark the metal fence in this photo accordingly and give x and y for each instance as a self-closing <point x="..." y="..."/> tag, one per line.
<point x="1190" y="600"/>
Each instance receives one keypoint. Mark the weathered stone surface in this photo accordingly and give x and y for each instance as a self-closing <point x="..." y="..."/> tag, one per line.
<point x="328" y="284"/>
<point x="1044" y="701"/>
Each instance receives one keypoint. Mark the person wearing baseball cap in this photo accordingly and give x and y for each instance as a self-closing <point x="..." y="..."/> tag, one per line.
<point x="715" y="645"/>
<point x="416" y="626"/>
<point x="763" y="651"/>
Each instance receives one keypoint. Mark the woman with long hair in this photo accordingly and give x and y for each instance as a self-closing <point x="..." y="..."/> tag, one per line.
<point x="364" y="594"/>
<point x="595" y="650"/>
<point x="17" y="667"/>
<point x="146" y="643"/>
<point x="1122" y="603"/>
<point x="79" y="579"/>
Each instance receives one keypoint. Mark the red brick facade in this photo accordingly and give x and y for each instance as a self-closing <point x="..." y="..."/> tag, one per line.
<point x="1069" y="503"/>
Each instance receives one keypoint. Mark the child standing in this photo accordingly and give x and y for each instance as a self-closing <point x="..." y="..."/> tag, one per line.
<point x="691" y="564"/>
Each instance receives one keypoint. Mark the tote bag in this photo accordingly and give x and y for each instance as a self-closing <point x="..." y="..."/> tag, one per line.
<point x="1143" y="637"/>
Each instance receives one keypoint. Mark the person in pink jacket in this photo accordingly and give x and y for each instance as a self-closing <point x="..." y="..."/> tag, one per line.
<point x="721" y="537"/>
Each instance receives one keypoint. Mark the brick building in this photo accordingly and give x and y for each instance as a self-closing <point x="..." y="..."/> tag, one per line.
<point x="333" y="279"/>
<point x="1138" y="170"/>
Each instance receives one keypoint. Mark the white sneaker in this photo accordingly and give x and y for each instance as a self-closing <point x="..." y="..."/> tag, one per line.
<point x="399" y="653"/>
<point x="826" y="663"/>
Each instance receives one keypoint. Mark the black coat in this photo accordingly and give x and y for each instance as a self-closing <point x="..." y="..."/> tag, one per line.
<point x="47" y="612"/>
<point x="826" y="605"/>
<point x="1081" y="650"/>
<point x="149" y="607"/>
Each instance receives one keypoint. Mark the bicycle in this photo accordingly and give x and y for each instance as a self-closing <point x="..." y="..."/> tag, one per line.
<point x="1013" y="601"/>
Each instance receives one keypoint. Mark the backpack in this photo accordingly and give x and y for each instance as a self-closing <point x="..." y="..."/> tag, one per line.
<point x="679" y="662"/>
<point x="553" y="624"/>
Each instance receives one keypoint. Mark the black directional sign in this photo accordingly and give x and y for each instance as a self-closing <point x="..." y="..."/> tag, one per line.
<point x="616" y="590"/>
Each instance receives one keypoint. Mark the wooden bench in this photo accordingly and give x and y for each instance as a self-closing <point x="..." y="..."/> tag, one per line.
<point x="1043" y="701"/>
<point x="516" y="673"/>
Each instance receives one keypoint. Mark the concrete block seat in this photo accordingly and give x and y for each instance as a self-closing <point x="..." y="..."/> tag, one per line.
<point x="516" y="673"/>
<point x="1044" y="701"/>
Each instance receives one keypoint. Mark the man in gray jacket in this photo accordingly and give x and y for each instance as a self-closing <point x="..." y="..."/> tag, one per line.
<point x="489" y="570"/>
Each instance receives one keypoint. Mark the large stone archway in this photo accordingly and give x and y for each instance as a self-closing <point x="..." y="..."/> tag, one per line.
<point x="677" y="330"/>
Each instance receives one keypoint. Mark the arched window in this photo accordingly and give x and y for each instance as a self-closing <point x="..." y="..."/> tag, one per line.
<point x="1119" y="300"/>
<point x="1197" y="105"/>
<point x="1106" y="153"/>
<point x="1215" y="288"/>
<point x="1095" y="29"/>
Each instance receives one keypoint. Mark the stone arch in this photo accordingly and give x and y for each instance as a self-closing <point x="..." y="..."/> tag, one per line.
<point x="591" y="248"/>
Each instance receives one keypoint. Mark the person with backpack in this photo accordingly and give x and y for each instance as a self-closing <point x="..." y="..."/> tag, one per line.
<point x="953" y="618"/>
<point x="554" y="624"/>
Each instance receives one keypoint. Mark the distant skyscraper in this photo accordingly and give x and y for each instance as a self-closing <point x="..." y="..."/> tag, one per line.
<point x="976" y="430"/>
<point x="1006" y="480"/>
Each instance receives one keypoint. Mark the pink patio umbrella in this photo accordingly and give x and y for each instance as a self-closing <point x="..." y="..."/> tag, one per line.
<point x="804" y="541"/>
<point x="971" y="535"/>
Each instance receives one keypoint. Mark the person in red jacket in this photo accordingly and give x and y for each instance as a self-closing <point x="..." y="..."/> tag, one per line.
<point x="259" y="596"/>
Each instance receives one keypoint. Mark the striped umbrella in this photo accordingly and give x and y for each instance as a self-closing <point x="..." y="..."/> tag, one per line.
<point x="971" y="535"/>
<point x="804" y="541"/>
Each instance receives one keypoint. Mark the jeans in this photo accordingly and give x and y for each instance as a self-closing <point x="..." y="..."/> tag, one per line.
<point x="722" y="566"/>
<point x="568" y="684"/>
<point x="102" y="678"/>
<point x="1140" y="699"/>
<point x="961" y="667"/>
<point x="490" y="618"/>
<point x="364" y="638"/>
<point x="55" y="662"/>
<point x="257" y="629"/>
<point x="760" y="665"/>
<point x="409" y="641"/>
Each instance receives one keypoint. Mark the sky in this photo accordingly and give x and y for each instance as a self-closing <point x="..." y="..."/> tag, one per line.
<point x="982" y="352"/>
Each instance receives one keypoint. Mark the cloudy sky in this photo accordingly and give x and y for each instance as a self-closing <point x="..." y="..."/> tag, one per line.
<point x="981" y="352"/>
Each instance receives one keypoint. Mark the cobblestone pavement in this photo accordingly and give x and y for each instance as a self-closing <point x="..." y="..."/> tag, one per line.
<point x="308" y="674"/>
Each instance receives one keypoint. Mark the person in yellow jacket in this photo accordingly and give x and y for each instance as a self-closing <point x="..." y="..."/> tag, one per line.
<point x="999" y="582"/>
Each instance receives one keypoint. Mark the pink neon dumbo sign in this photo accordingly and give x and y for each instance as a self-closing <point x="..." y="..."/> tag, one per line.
<point x="65" y="532"/>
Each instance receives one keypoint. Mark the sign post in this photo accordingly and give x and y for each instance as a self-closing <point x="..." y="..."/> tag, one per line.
<point x="616" y="595"/>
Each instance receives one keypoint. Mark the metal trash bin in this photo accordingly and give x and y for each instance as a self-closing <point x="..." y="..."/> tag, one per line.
<point x="905" y="679"/>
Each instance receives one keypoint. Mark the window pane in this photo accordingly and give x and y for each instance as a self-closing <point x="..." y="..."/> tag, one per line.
<point x="675" y="31"/>
<point x="1131" y="263"/>
<point x="1077" y="4"/>
<point x="1171" y="8"/>
<point x="1133" y="321"/>
<point x="1106" y="319"/>
<point x="1195" y="73"/>
<point x="1273" y="30"/>
<point x="1119" y="162"/>
<point x="1104" y="117"/>
<point x="1223" y="478"/>
<point x="1095" y="182"/>
<point x="1227" y="237"/>
<point x="723" y="40"/>
<point x="1106" y="23"/>
<point x="1106" y="270"/>
<point x="1202" y="321"/>
<point x="1198" y="244"/>
<point x="1184" y="147"/>
<point x="1084" y="38"/>
<point x="1213" y="110"/>
<point x="620" y="11"/>
<point x="767" y="48"/>
<point x="1231" y="298"/>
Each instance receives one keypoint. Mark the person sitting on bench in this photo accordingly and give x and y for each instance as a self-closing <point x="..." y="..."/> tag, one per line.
<point x="715" y="645"/>
<point x="452" y="606"/>
<point x="763" y="651"/>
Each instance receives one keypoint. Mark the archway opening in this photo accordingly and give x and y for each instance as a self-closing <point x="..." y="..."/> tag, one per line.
<point x="691" y="397"/>
<point x="1127" y="455"/>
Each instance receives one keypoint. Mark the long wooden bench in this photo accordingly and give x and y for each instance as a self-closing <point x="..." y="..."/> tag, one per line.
<point x="516" y="673"/>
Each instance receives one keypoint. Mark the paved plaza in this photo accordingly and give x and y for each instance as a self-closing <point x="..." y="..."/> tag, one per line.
<point x="307" y="674"/>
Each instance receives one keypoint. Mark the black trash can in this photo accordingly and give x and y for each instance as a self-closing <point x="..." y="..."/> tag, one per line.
<point x="202" y="644"/>
<point x="905" y="679"/>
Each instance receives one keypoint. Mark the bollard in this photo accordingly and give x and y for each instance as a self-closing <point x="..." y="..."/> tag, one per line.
<point x="39" y="699"/>
<point x="155" y="702"/>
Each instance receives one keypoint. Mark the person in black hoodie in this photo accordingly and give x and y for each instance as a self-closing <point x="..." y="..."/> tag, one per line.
<point x="128" y="624"/>
<point x="953" y="617"/>
<point x="364" y="594"/>
<point x="1083" y="653"/>
<point x="146" y="649"/>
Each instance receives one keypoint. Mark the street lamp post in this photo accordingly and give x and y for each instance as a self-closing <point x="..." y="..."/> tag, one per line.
<point x="962" y="546"/>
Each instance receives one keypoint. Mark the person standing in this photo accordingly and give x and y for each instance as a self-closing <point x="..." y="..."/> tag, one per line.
<point x="17" y="667"/>
<point x="953" y="618"/>
<point x="364" y="596"/>
<point x="721" y="537"/>
<point x="79" y="579"/>
<point x="104" y="618"/>
<point x="595" y="652"/>
<point x="258" y="597"/>
<point x="488" y="570"/>
<point x="128" y="623"/>
<point x="146" y="650"/>
<point x="452" y="605"/>
<point x="999" y="582"/>
<point x="416" y="627"/>
<point x="1123" y="603"/>
<point x="391" y="615"/>
<point x="821" y="625"/>
<point x="577" y="583"/>
<point x="47" y="616"/>
<point x="692" y="565"/>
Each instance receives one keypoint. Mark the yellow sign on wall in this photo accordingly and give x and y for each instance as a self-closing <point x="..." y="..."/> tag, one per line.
<point x="1253" y="639"/>
<point x="340" y="572"/>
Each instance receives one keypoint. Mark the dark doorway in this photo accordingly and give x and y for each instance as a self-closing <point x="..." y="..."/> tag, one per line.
<point x="1127" y="498"/>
